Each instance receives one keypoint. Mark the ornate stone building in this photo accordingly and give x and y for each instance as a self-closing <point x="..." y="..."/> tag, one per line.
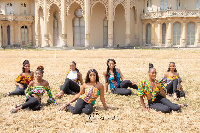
<point x="100" y="23"/>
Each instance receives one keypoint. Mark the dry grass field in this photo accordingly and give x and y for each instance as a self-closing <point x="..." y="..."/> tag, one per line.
<point x="125" y="113"/>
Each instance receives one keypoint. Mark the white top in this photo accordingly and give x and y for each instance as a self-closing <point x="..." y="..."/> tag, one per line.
<point x="72" y="75"/>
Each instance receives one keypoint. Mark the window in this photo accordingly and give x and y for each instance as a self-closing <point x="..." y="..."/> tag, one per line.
<point x="163" y="5"/>
<point x="9" y="9"/>
<point x="176" y="33"/>
<point x="105" y="32"/>
<point x="178" y="4"/>
<point x="23" y="8"/>
<point x="24" y="32"/>
<point x="198" y="5"/>
<point x="191" y="33"/>
<point x="149" y="5"/>
<point x="163" y="33"/>
<point x="148" y="33"/>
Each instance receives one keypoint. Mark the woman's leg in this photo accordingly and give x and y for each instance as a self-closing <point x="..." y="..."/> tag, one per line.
<point x="180" y="94"/>
<point x="169" y="88"/>
<point x="172" y="106"/>
<point x="17" y="91"/>
<point x="122" y="91"/>
<point x="88" y="109"/>
<point x="159" y="107"/>
<point x="36" y="107"/>
<point x="80" y="104"/>
<point x="128" y="83"/>
<point x="31" y="102"/>
<point x="74" y="87"/>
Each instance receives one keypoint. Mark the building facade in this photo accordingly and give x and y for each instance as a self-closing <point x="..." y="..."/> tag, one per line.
<point x="100" y="23"/>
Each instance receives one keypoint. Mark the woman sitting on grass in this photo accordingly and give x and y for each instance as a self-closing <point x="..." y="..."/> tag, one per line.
<point x="35" y="91"/>
<point x="71" y="85"/>
<point x="173" y="82"/>
<point x="118" y="83"/>
<point x="87" y="96"/>
<point x="155" y="91"/>
<point x="23" y="80"/>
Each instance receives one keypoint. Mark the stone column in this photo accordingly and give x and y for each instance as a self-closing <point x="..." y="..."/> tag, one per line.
<point x="4" y="34"/>
<point x="30" y="34"/>
<point x="144" y="33"/>
<point x="12" y="33"/>
<point x="110" y="23"/>
<point x="36" y="24"/>
<point x="87" y="23"/>
<point x="63" y="21"/>
<point x="169" y="34"/>
<point x="128" y="24"/>
<point x="183" y="42"/>
<point x="198" y="33"/>
<point x="159" y="33"/>
<point x="46" y="34"/>
<point x="153" y="33"/>
<point x="19" y="34"/>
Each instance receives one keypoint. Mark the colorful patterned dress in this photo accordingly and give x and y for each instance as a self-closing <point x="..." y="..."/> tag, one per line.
<point x="114" y="84"/>
<point x="24" y="79"/>
<point x="39" y="91"/>
<point x="90" y="95"/>
<point x="145" y="89"/>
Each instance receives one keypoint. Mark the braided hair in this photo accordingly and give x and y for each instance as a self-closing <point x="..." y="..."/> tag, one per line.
<point x="168" y="70"/>
<point x="108" y="70"/>
<point x="24" y="63"/>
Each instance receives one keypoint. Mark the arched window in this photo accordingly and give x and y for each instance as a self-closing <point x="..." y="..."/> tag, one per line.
<point x="105" y="32"/>
<point x="9" y="9"/>
<point x="23" y="8"/>
<point x="163" y="33"/>
<point x="163" y="5"/>
<point x="79" y="29"/>
<point x="148" y="33"/>
<point x="8" y="34"/>
<point x="149" y="5"/>
<point x="198" y="5"/>
<point x="178" y="4"/>
<point x="176" y="33"/>
<point x="191" y="33"/>
<point x="55" y="29"/>
<point x="24" y="32"/>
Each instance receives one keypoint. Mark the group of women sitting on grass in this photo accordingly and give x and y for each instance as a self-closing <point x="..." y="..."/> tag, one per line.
<point x="33" y="86"/>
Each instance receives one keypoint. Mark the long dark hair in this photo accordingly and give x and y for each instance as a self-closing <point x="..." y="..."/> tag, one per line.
<point x="24" y="63"/>
<point x="150" y="67"/>
<point x="87" y="79"/>
<point x="108" y="71"/>
<point x="169" y="68"/>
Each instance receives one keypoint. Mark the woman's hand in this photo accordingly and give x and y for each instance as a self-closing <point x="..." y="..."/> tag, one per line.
<point x="63" y="107"/>
<point x="21" y="86"/>
<point x="146" y="109"/>
<point x="35" y="96"/>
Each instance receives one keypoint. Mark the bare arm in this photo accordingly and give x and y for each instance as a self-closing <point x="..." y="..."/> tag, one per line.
<point x="102" y="97"/>
<point x="106" y="84"/>
<point x="81" y="79"/>
<point x="18" y="84"/>
<point x="121" y="75"/>
<point x="143" y="104"/>
<point x="162" y="92"/>
<point x="82" y="90"/>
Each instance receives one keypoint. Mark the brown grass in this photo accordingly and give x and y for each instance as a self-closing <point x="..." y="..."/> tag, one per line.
<point x="125" y="113"/>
